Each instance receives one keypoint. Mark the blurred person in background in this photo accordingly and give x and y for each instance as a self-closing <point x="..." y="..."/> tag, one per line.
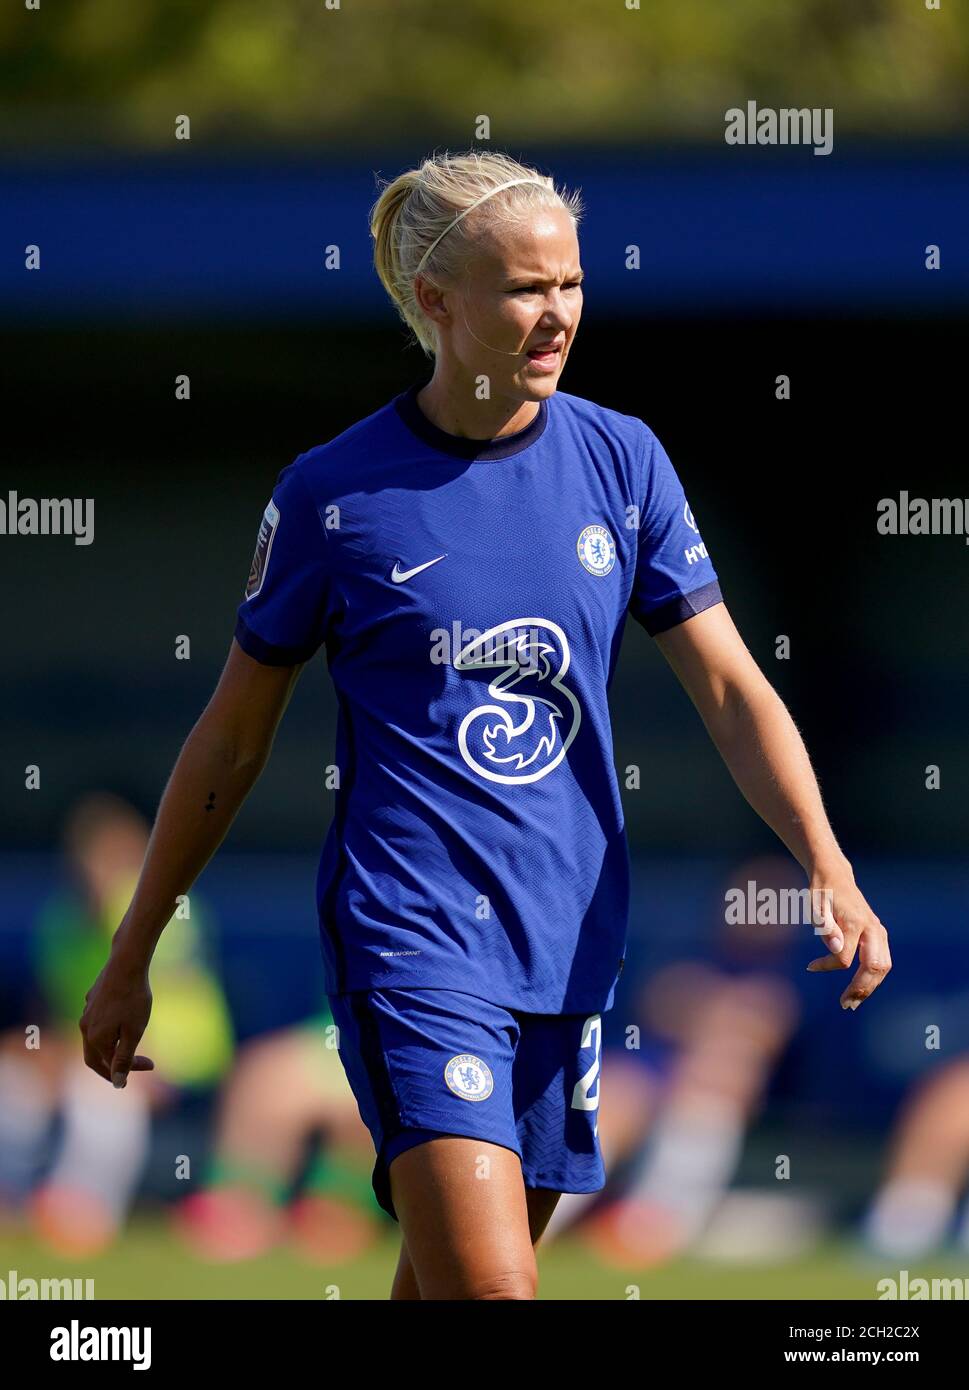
<point x="676" y="1105"/>
<point x="24" y="1112"/>
<point x="286" y="1088"/>
<point x="927" y="1169"/>
<point x="81" y="1202"/>
<point x="24" y="1120"/>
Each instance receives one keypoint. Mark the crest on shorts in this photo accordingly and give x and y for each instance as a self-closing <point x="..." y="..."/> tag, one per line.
<point x="264" y="543"/>
<point x="469" y="1077"/>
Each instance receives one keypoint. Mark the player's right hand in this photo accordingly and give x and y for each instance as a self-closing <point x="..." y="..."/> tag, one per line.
<point x="116" y="1013"/>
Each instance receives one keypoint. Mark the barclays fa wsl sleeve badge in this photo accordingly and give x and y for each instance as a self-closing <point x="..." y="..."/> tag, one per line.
<point x="264" y="544"/>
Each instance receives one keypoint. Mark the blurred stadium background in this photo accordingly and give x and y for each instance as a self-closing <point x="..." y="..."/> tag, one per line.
<point x="207" y="258"/>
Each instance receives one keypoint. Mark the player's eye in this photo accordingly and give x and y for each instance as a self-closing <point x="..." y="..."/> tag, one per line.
<point x="537" y="289"/>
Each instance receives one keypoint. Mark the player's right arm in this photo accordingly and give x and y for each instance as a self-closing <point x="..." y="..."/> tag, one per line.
<point x="217" y="767"/>
<point x="283" y="619"/>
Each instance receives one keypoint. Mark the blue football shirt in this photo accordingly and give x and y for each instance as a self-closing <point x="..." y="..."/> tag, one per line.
<point x="471" y="597"/>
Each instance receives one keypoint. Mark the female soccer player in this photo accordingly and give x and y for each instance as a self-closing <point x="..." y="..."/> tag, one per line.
<point x="467" y="556"/>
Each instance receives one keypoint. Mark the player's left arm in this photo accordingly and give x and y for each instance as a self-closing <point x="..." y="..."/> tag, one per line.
<point x="757" y="739"/>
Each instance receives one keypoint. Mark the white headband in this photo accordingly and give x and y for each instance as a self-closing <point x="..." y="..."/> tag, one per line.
<point x="510" y="184"/>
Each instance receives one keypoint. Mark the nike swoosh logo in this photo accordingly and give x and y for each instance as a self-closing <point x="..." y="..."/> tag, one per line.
<point x="400" y="576"/>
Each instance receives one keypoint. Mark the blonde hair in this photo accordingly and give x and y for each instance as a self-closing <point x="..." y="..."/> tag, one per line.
<point x="409" y="220"/>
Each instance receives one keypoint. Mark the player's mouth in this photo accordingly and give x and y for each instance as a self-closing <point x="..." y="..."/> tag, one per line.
<point x="546" y="357"/>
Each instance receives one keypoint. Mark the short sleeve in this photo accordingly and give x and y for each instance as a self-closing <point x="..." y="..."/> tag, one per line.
<point x="675" y="578"/>
<point x="282" y="620"/>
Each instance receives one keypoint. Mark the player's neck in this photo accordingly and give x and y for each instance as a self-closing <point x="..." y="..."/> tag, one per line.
<point x="453" y="407"/>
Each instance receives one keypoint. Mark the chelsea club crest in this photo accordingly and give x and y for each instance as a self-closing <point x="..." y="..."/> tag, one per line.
<point x="597" y="550"/>
<point x="469" y="1077"/>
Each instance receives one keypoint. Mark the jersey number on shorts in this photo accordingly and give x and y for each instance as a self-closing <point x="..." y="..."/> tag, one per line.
<point x="581" y="1099"/>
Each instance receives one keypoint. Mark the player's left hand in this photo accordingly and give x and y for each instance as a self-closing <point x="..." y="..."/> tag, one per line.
<point x="847" y="924"/>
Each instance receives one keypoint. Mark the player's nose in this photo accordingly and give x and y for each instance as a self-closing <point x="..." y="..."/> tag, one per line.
<point x="558" y="315"/>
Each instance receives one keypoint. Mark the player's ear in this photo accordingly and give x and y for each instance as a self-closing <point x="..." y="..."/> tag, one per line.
<point x="429" y="297"/>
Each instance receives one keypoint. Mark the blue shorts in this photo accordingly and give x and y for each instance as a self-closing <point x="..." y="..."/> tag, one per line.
<point x="429" y="1062"/>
